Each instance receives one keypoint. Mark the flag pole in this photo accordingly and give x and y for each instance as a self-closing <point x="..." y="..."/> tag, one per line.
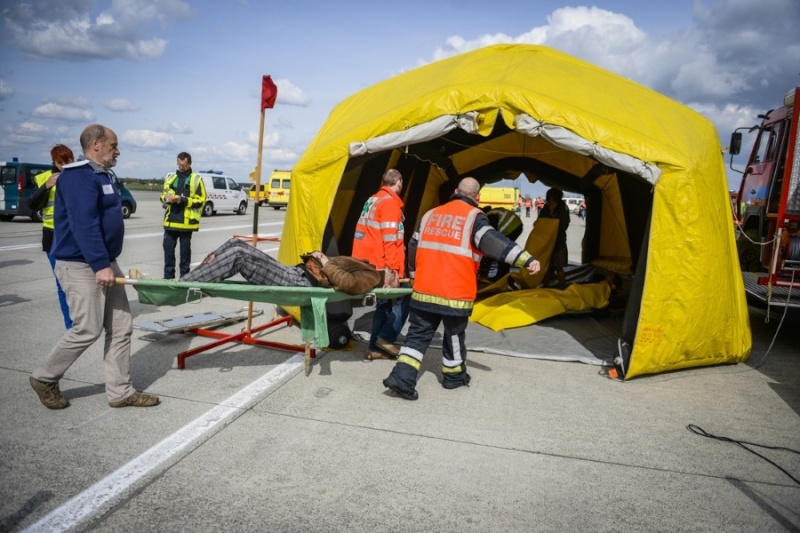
<point x="269" y="92"/>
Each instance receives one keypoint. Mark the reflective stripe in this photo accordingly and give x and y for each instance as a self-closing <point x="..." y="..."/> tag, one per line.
<point x="455" y="364"/>
<point x="388" y="225"/>
<point x="390" y="238"/>
<point x="449" y="248"/>
<point x="409" y="360"/>
<point x="439" y="300"/>
<point x="453" y="370"/>
<point x="480" y="233"/>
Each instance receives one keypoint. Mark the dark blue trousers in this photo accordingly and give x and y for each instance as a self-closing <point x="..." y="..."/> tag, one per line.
<point x="171" y="238"/>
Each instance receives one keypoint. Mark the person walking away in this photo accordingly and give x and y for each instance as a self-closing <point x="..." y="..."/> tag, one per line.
<point x="528" y="204"/>
<point x="380" y="239"/>
<point x="183" y="196"/>
<point x="539" y="205"/>
<point x="556" y="207"/>
<point x="44" y="198"/>
<point x="89" y="233"/>
<point x="443" y="258"/>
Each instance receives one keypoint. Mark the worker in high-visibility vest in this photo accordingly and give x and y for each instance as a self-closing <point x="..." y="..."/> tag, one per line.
<point x="380" y="240"/>
<point x="183" y="197"/>
<point x="44" y="198"/>
<point x="443" y="259"/>
<point x="510" y="225"/>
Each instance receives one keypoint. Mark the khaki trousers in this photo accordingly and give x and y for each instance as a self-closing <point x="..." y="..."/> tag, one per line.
<point x="93" y="309"/>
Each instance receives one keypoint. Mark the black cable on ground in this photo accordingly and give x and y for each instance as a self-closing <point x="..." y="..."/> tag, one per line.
<point x="697" y="430"/>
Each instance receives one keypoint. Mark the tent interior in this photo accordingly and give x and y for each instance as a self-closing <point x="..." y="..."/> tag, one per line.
<point x="618" y="209"/>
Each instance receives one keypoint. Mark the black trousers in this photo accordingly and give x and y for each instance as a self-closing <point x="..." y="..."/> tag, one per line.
<point x="171" y="238"/>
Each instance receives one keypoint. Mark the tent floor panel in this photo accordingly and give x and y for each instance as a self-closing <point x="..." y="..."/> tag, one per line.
<point x="589" y="337"/>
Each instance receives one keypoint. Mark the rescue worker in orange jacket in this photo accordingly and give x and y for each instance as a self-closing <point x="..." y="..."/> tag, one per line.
<point x="380" y="240"/>
<point x="443" y="259"/>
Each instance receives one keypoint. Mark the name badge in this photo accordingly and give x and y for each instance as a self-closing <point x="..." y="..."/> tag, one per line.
<point x="108" y="189"/>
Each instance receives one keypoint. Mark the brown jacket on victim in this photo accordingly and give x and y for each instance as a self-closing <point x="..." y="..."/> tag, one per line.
<point x="344" y="274"/>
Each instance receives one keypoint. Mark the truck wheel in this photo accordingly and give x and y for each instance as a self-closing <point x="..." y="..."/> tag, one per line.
<point x="242" y="208"/>
<point x="339" y="335"/>
<point x="208" y="209"/>
<point x="6" y="218"/>
<point x="126" y="210"/>
<point x="749" y="252"/>
<point x="36" y="216"/>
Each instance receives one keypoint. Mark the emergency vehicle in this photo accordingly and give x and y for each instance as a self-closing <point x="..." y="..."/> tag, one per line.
<point x="263" y="194"/>
<point x="222" y="193"/>
<point x="279" y="183"/>
<point x="17" y="183"/>
<point x="505" y="197"/>
<point x="767" y="209"/>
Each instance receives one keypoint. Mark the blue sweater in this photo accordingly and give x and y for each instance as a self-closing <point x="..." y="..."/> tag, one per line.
<point x="89" y="226"/>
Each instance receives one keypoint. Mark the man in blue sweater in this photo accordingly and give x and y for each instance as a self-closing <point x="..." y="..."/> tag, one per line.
<point x="88" y="239"/>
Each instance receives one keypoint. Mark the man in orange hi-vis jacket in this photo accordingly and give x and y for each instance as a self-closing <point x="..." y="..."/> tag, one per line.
<point x="443" y="259"/>
<point x="379" y="239"/>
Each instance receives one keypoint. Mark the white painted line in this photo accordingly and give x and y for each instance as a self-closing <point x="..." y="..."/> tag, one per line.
<point x="207" y="230"/>
<point x="105" y="492"/>
<point x="149" y="235"/>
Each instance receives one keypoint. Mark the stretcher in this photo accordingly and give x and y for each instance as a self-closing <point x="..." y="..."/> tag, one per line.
<point x="312" y="302"/>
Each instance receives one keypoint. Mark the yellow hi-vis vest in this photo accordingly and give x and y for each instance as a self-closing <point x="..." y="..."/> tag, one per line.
<point x="47" y="213"/>
<point x="196" y="199"/>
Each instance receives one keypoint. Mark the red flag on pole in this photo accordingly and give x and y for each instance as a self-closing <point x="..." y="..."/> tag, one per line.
<point x="269" y="92"/>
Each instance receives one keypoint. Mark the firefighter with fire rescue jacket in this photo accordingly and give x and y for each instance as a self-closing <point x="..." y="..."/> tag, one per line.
<point x="183" y="197"/>
<point x="443" y="259"/>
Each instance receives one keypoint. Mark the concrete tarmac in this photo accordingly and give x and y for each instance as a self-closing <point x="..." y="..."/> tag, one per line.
<point x="244" y="441"/>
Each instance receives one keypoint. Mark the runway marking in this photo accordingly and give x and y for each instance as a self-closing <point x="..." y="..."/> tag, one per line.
<point x="149" y="235"/>
<point x="100" y="496"/>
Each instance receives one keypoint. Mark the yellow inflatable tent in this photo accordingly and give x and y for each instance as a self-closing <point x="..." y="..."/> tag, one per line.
<point x="650" y="168"/>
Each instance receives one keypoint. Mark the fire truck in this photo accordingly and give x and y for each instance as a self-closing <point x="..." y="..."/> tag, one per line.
<point x="767" y="208"/>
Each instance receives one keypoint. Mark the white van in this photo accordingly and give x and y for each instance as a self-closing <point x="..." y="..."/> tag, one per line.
<point x="574" y="204"/>
<point x="222" y="194"/>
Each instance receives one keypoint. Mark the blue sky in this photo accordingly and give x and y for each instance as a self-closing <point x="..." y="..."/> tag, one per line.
<point x="175" y="75"/>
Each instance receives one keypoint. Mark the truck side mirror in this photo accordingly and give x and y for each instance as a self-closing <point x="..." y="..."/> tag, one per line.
<point x="736" y="143"/>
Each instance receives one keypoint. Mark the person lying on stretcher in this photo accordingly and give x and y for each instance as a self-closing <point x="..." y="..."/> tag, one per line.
<point x="343" y="273"/>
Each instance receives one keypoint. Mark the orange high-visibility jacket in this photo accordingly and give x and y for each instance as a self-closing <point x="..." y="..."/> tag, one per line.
<point x="379" y="235"/>
<point x="446" y="259"/>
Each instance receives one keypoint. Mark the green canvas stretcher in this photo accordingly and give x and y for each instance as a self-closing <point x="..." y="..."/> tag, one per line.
<point x="310" y="300"/>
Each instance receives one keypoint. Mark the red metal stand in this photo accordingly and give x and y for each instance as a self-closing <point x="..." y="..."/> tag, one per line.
<point x="245" y="336"/>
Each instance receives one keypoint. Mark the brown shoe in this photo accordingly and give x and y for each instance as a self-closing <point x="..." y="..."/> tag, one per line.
<point x="373" y="355"/>
<point x="49" y="394"/>
<point x="387" y="347"/>
<point x="137" y="399"/>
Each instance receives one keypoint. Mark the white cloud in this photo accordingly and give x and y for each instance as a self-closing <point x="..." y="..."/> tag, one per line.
<point x="173" y="127"/>
<point x="64" y="29"/>
<point x="281" y="155"/>
<point x="120" y="105"/>
<point x="18" y="138"/>
<point x="30" y="128"/>
<point x="146" y="139"/>
<point x="289" y="94"/>
<point x="63" y="112"/>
